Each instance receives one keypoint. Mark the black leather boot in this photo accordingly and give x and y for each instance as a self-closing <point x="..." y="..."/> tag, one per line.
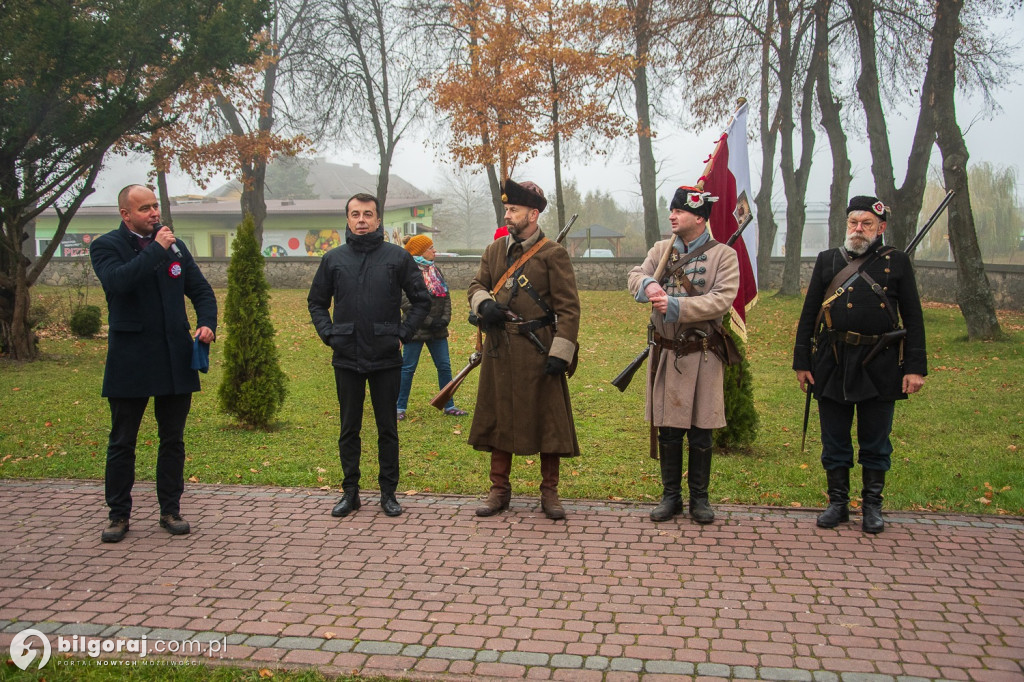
<point x="698" y="479"/>
<point x="838" y="510"/>
<point x="348" y="503"/>
<point x="874" y="482"/>
<point x="389" y="504"/>
<point x="671" y="482"/>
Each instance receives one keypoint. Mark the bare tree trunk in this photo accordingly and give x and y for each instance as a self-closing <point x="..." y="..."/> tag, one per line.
<point x="905" y="201"/>
<point x="832" y="123"/>
<point x="648" y="169"/>
<point x="767" y="227"/>
<point x="559" y="199"/>
<point x="165" y="199"/>
<point x="973" y="292"/>
<point x="495" y="185"/>
<point x="794" y="179"/>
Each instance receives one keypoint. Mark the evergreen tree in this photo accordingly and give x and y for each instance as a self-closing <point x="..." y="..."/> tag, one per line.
<point x="740" y="415"/>
<point x="253" y="388"/>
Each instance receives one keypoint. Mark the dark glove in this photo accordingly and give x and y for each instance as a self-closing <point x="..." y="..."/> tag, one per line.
<point x="492" y="313"/>
<point x="556" y="366"/>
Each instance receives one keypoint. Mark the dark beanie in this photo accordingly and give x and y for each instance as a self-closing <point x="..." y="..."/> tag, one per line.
<point x="694" y="200"/>
<point x="869" y="204"/>
<point x="527" y="194"/>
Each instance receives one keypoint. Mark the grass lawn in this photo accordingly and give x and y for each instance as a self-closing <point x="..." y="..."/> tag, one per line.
<point x="956" y="443"/>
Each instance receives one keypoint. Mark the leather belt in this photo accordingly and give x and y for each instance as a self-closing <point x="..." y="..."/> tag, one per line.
<point x="856" y="339"/>
<point x="526" y="327"/>
<point x="684" y="348"/>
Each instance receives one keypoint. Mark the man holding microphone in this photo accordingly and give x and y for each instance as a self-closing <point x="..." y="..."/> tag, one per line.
<point x="146" y="275"/>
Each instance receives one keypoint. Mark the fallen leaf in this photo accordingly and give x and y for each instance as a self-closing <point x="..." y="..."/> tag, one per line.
<point x="48" y="424"/>
<point x="529" y="461"/>
<point x="984" y="500"/>
<point x="795" y="504"/>
<point x="15" y="389"/>
<point x="266" y="673"/>
<point x="613" y="497"/>
<point x="255" y="471"/>
<point x="409" y="492"/>
<point x="193" y="479"/>
<point x="329" y="635"/>
<point x="803" y="466"/>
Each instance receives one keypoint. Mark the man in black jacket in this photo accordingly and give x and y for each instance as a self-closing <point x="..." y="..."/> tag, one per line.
<point x="146" y="273"/>
<point x="837" y="333"/>
<point x="366" y="277"/>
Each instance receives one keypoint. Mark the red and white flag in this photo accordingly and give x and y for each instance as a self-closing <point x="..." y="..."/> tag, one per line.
<point x="729" y="180"/>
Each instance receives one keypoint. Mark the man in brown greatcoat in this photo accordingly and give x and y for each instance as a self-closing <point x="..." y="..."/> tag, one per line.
<point x="531" y="321"/>
<point x="685" y="396"/>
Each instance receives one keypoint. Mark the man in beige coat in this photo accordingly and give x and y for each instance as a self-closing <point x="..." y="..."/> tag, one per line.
<point x="685" y="395"/>
<point x="531" y="318"/>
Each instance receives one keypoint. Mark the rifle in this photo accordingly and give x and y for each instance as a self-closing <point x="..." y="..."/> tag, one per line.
<point x="888" y="338"/>
<point x="446" y="393"/>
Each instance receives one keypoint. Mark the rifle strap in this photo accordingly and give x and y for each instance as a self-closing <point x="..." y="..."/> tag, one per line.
<point x="835" y="288"/>
<point x="518" y="264"/>
<point x="686" y="259"/>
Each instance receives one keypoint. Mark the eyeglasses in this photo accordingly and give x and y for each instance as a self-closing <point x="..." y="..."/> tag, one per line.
<point x="866" y="225"/>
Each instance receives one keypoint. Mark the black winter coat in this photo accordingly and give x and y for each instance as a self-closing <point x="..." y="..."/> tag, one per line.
<point x="860" y="310"/>
<point x="149" y="345"/>
<point x="366" y="277"/>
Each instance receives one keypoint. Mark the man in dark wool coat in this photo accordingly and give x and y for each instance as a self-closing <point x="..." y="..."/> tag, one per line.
<point x="860" y="346"/>
<point x="146" y="274"/>
<point x="525" y="297"/>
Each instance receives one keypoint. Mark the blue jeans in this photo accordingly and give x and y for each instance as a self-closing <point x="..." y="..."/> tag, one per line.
<point x="874" y="423"/>
<point x="411" y="357"/>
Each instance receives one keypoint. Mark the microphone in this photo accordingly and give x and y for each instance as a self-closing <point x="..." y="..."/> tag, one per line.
<point x="174" y="247"/>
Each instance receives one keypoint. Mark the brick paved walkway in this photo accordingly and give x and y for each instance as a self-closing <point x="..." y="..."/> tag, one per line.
<point x="437" y="593"/>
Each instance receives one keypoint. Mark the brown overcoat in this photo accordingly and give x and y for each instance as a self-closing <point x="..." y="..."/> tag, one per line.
<point x="687" y="391"/>
<point x="519" y="408"/>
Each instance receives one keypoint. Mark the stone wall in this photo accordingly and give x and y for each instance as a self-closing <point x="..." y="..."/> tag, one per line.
<point x="937" y="281"/>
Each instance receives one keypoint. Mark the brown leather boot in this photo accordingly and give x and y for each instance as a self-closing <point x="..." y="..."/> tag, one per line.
<point x="549" y="501"/>
<point x="501" y="490"/>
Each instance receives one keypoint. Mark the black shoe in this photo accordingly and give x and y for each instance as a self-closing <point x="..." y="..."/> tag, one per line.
<point x="116" y="531"/>
<point x="348" y="503"/>
<point x="389" y="504"/>
<point x="174" y="524"/>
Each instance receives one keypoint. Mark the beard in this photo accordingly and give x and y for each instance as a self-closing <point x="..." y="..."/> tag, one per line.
<point x="515" y="229"/>
<point x="856" y="244"/>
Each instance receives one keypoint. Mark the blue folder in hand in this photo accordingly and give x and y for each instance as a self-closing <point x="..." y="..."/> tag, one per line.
<point x="200" y="356"/>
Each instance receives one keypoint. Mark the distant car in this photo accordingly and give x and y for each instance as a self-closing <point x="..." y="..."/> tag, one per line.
<point x="446" y="254"/>
<point x="598" y="253"/>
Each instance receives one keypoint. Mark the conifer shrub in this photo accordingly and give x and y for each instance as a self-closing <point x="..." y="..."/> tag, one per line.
<point x="86" y="321"/>
<point x="741" y="418"/>
<point x="253" y="386"/>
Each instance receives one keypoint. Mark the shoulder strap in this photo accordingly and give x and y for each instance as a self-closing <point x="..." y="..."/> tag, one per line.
<point x="518" y="264"/>
<point x="843" y="277"/>
<point x="688" y="258"/>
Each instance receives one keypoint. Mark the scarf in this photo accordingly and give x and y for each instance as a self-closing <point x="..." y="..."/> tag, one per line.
<point x="432" y="277"/>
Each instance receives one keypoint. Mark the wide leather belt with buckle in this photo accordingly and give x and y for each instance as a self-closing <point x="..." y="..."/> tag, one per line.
<point x="857" y="339"/>
<point x="680" y="348"/>
<point x="525" y="327"/>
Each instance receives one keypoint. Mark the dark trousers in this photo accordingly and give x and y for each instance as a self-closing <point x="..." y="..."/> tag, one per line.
<point x="125" y="417"/>
<point x="699" y="438"/>
<point x="874" y="423"/>
<point x="351" y="386"/>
